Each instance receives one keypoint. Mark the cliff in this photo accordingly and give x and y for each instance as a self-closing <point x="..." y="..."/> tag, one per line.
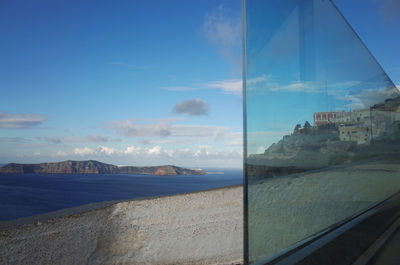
<point x="95" y="167"/>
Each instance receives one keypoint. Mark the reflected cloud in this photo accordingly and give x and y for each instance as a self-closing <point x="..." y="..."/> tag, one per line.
<point x="353" y="94"/>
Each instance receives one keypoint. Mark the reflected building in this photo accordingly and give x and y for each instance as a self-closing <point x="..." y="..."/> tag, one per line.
<point x="322" y="125"/>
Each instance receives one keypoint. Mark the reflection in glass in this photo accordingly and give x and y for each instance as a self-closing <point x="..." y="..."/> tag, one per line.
<point x="322" y="119"/>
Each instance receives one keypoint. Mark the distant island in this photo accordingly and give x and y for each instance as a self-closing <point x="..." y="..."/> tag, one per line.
<point x="96" y="167"/>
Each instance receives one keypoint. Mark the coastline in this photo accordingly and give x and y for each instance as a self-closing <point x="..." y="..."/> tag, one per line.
<point x="15" y="223"/>
<point x="62" y="191"/>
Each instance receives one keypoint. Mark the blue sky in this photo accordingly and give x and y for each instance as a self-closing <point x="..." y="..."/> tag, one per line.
<point x="138" y="82"/>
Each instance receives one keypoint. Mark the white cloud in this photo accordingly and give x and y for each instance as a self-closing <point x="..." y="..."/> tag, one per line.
<point x="368" y="98"/>
<point x="222" y="27"/>
<point x="204" y="150"/>
<point x="265" y="83"/>
<point x="83" y="151"/>
<point x="156" y="150"/>
<point x="107" y="150"/>
<point x="354" y="94"/>
<point x="229" y="86"/>
<point x="61" y="153"/>
<point x="233" y="86"/>
<point x="132" y="150"/>
<point x="20" y="121"/>
<point x="297" y="87"/>
<point x="256" y="80"/>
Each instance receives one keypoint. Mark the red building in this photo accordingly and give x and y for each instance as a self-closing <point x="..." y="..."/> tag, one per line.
<point x="321" y="118"/>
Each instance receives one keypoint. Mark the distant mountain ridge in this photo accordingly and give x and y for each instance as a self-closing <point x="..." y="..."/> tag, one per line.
<point x="96" y="167"/>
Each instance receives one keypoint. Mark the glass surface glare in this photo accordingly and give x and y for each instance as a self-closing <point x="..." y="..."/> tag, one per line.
<point x="322" y="123"/>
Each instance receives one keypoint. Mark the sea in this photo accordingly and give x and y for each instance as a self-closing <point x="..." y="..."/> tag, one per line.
<point x="23" y="195"/>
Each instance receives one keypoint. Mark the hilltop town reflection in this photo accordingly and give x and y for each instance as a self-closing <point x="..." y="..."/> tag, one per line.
<point x="335" y="138"/>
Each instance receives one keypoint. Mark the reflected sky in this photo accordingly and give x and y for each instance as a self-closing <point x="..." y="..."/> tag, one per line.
<point x="303" y="57"/>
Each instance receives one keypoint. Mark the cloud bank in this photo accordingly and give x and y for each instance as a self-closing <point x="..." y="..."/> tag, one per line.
<point x="94" y="138"/>
<point x="166" y="129"/>
<point x="20" y="121"/>
<point x="203" y="155"/>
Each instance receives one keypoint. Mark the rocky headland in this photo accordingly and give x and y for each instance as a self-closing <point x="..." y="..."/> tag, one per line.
<point x="95" y="167"/>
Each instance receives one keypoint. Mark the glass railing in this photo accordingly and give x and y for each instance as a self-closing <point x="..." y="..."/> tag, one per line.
<point x="322" y="124"/>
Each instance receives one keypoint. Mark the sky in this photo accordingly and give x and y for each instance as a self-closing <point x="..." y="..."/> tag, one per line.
<point x="139" y="82"/>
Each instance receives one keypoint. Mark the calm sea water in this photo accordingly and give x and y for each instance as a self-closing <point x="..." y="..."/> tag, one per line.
<point x="30" y="194"/>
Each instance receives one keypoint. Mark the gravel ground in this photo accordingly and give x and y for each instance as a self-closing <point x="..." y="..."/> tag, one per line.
<point x="194" y="228"/>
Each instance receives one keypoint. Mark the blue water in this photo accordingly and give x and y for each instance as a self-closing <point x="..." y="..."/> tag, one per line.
<point x="30" y="194"/>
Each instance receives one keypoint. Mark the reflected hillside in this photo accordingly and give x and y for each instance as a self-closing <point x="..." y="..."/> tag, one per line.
<point x="335" y="138"/>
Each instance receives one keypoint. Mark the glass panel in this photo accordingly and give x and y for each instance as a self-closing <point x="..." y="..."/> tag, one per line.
<point x="323" y="123"/>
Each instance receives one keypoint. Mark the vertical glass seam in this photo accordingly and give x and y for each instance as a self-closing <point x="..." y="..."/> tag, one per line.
<point x="245" y="200"/>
